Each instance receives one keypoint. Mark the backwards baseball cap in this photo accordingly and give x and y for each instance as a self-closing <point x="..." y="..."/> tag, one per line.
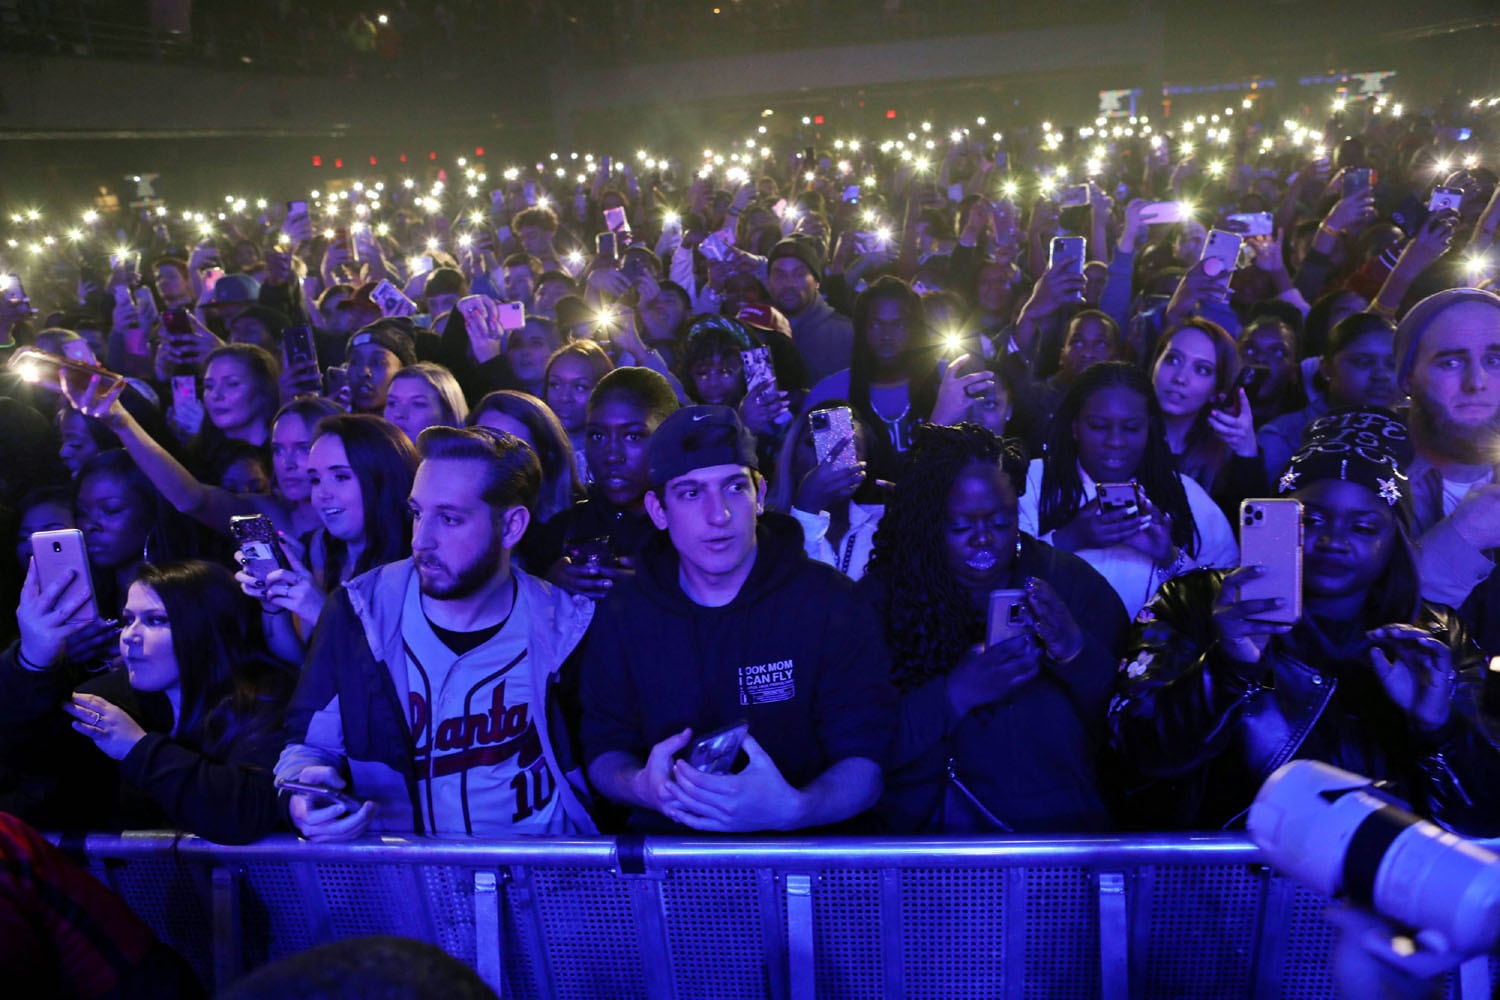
<point x="232" y="289"/>
<point x="804" y="248"/>
<point x="1360" y="444"/>
<point x="388" y="336"/>
<point x="698" y="437"/>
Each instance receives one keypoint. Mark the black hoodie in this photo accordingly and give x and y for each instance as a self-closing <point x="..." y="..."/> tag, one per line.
<point x="795" y="654"/>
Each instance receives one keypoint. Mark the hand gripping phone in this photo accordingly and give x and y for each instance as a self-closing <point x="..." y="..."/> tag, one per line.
<point x="715" y="753"/>
<point x="1223" y="246"/>
<point x="257" y="539"/>
<point x="829" y="427"/>
<point x="1010" y="616"/>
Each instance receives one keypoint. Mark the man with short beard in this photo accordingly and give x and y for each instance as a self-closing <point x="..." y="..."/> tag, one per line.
<point x="433" y="683"/>
<point x="1448" y="351"/>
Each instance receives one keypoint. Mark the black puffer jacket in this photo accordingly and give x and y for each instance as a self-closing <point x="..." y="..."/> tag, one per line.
<point x="1196" y="733"/>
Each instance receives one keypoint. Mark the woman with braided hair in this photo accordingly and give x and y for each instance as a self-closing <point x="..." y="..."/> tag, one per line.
<point x="997" y="737"/>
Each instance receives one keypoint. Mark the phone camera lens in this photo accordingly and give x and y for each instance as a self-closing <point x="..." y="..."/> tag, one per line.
<point x="57" y="546"/>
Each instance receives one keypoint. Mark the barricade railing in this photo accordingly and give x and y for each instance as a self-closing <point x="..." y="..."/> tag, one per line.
<point x="1168" y="916"/>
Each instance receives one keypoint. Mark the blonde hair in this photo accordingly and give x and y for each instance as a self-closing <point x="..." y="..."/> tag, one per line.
<point x="442" y="382"/>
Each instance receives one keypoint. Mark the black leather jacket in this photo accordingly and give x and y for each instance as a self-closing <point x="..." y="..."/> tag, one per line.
<point x="1197" y="733"/>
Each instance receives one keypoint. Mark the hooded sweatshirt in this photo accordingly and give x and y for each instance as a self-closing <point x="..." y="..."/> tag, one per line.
<point x="795" y="654"/>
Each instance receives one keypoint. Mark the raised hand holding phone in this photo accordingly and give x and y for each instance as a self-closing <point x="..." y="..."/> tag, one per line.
<point x="48" y="614"/>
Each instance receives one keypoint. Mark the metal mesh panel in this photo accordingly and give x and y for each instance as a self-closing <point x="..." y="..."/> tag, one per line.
<point x="164" y="894"/>
<point x="1309" y="945"/>
<point x="588" y="929"/>
<point x="1062" y="934"/>
<point x="1203" y="925"/>
<point x="952" y="933"/>
<point x="451" y="895"/>
<point x="372" y="899"/>
<point x="846" y="933"/>
<point x="714" y="933"/>
<point x="273" y="913"/>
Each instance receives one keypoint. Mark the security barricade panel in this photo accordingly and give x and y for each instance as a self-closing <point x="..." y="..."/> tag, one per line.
<point x="1011" y="918"/>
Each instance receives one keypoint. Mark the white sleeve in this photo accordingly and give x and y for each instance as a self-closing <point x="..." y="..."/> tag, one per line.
<point x="1216" y="544"/>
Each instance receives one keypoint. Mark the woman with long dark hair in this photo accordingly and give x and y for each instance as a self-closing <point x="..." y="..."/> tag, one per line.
<point x="192" y="715"/>
<point x="892" y="378"/>
<point x="1002" y="713"/>
<point x="1368" y="676"/>
<point x="1208" y="420"/>
<point x="359" y="472"/>
<point x="1108" y="429"/>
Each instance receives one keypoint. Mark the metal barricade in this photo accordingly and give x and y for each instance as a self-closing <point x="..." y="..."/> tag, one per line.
<point x="1169" y="916"/>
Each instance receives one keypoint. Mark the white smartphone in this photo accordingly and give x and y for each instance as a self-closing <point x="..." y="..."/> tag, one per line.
<point x="1223" y="246"/>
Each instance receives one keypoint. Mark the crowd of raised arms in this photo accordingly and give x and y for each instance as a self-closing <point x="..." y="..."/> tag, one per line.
<point x="898" y="487"/>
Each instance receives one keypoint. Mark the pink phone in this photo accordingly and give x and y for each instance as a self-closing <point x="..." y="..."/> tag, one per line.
<point x="1271" y="537"/>
<point x="58" y="552"/>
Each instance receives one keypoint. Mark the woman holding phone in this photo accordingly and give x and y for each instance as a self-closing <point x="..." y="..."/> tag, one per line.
<point x="1154" y="523"/>
<point x="993" y="736"/>
<point x="1206" y="415"/>
<point x="1220" y="688"/>
<point x="832" y="498"/>
<point x="191" y="717"/>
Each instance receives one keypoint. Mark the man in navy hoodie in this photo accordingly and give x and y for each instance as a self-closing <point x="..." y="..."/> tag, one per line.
<point x="725" y="622"/>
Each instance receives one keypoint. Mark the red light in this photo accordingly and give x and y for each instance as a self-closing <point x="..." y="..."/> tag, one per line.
<point x="890" y="112"/>
<point x="478" y="150"/>
<point x="317" y="161"/>
<point x="403" y="157"/>
<point x="432" y="156"/>
<point x="817" y="119"/>
<point x="372" y="161"/>
<point x="338" y="164"/>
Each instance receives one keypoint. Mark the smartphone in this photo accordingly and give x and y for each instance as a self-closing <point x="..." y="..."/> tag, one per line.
<point x="1164" y="212"/>
<point x="175" y="323"/>
<point x="1120" y="496"/>
<point x="1223" y="246"/>
<point x="1010" y="616"/>
<point x="1445" y="198"/>
<point x="296" y="214"/>
<point x="758" y="368"/>
<point x="614" y="220"/>
<point x="57" y="552"/>
<point x="1067" y="252"/>
<point x="184" y="389"/>
<point x="391" y="300"/>
<point x="322" y="795"/>
<point x="297" y="341"/>
<point x="592" y="552"/>
<point x="421" y="264"/>
<point x="851" y="194"/>
<point x="1357" y="179"/>
<point x="257" y="538"/>
<point x="1250" y="378"/>
<point x="211" y="276"/>
<point x="866" y="242"/>
<point x="335" y="377"/>
<point x="829" y="427"/>
<point x="1272" y="530"/>
<point x="1073" y="196"/>
<point x="512" y="315"/>
<point x="607" y="246"/>
<point x="1252" y="223"/>
<point x="39" y="367"/>
<point x="129" y="261"/>
<point x="123" y="296"/>
<point x="715" y="753"/>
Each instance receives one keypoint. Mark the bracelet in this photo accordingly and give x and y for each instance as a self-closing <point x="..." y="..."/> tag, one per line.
<point x="1179" y="564"/>
<point x="1330" y="230"/>
<point x="27" y="664"/>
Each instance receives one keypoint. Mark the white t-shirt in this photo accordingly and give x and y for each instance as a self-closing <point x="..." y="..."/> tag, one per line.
<point x="1133" y="574"/>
